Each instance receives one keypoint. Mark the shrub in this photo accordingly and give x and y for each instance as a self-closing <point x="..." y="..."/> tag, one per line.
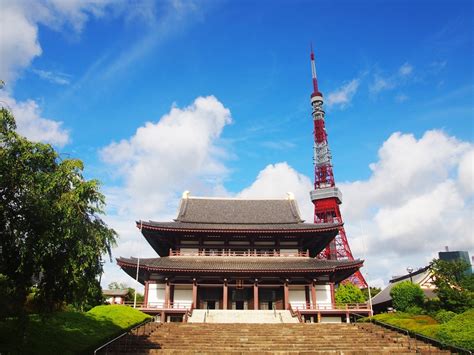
<point x="459" y="330"/>
<point x="406" y="294"/>
<point x="348" y="293"/>
<point x="414" y="310"/>
<point x="444" y="316"/>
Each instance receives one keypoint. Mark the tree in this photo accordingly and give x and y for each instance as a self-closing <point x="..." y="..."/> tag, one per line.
<point x="405" y="295"/>
<point x="373" y="292"/>
<point x="51" y="232"/>
<point x="349" y="293"/>
<point x="454" y="287"/>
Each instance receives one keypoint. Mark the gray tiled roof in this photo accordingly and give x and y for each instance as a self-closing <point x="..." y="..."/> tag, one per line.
<point x="238" y="211"/>
<point x="241" y="226"/>
<point x="239" y="264"/>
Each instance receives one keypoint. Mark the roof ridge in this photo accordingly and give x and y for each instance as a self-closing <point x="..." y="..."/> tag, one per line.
<point x="235" y="198"/>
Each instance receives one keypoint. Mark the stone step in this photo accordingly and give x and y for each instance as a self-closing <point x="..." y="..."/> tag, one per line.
<point x="288" y="338"/>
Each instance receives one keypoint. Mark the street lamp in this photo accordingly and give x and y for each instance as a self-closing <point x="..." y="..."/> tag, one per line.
<point x="410" y="270"/>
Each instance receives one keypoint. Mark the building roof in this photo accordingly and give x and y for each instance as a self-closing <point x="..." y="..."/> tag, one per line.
<point x="238" y="227"/>
<point x="418" y="277"/>
<point x="205" y="217"/>
<point x="242" y="265"/>
<point x="238" y="211"/>
<point x="204" y="214"/>
<point x="114" y="293"/>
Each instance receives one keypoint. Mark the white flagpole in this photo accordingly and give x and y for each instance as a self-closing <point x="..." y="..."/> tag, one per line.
<point x="136" y="278"/>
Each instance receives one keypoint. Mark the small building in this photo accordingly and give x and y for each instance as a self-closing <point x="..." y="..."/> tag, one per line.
<point x="456" y="256"/>
<point x="115" y="296"/>
<point x="382" y="301"/>
<point x="222" y="253"/>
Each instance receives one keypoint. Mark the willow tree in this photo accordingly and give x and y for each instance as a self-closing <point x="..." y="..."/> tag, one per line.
<point x="51" y="233"/>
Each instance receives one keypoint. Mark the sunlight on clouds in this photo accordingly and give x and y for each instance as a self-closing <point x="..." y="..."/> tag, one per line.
<point x="20" y="20"/>
<point x="343" y="96"/>
<point x="162" y="159"/>
<point x="275" y="180"/>
<point x="172" y="155"/>
<point x="18" y="43"/>
<point x="30" y="123"/>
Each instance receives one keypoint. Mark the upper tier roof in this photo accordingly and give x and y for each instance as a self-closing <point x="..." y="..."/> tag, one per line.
<point x="238" y="211"/>
<point x="203" y="217"/>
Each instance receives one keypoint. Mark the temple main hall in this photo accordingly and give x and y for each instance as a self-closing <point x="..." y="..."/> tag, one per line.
<point x="241" y="254"/>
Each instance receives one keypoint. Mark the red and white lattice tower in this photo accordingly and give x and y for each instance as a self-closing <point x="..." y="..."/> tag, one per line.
<point x="326" y="197"/>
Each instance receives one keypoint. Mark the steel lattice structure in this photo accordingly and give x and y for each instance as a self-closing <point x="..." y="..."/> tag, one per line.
<point x="326" y="197"/>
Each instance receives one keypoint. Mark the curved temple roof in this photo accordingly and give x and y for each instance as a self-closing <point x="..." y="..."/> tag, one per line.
<point x="241" y="265"/>
<point x="238" y="211"/>
<point x="225" y="214"/>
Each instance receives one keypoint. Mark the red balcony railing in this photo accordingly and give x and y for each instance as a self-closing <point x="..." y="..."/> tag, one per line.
<point x="229" y="252"/>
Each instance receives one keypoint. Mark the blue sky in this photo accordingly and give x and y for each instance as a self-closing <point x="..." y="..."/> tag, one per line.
<point x="104" y="69"/>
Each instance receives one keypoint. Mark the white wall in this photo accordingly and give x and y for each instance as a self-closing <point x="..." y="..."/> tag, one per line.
<point x="323" y="295"/>
<point x="183" y="295"/>
<point x="156" y="295"/>
<point x="297" y="297"/>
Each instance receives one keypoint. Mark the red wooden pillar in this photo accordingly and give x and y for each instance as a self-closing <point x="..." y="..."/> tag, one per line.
<point x="313" y="295"/>
<point x="195" y="305"/>
<point x="224" y="292"/>
<point x="145" y="297"/>
<point x="287" y="295"/>
<point x="167" y="294"/>
<point x="255" y="295"/>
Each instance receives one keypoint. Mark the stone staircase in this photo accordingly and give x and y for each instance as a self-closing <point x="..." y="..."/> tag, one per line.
<point x="241" y="316"/>
<point x="212" y="338"/>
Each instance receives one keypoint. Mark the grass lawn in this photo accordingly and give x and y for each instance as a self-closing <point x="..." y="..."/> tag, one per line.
<point x="459" y="331"/>
<point x="68" y="332"/>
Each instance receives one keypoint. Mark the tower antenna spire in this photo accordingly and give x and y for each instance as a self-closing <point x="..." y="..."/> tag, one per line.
<point x="313" y="72"/>
<point x="326" y="197"/>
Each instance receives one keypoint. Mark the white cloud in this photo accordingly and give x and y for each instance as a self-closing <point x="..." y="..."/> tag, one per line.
<point x="178" y="152"/>
<point x="405" y="69"/>
<point x="382" y="83"/>
<point x="275" y="180"/>
<point x="32" y="125"/>
<point x="343" y="96"/>
<point x="162" y="159"/>
<point x="52" y="77"/>
<point x="19" y="43"/>
<point x="466" y="173"/>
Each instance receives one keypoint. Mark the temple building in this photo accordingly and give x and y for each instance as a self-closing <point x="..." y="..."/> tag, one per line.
<point x="240" y="254"/>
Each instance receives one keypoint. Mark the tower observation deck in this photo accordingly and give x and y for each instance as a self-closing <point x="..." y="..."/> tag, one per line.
<point x="326" y="197"/>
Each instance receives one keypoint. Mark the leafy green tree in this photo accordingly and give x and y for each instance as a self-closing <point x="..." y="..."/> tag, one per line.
<point x="349" y="293"/>
<point x="51" y="233"/>
<point x="406" y="295"/>
<point x="373" y="292"/>
<point x="454" y="288"/>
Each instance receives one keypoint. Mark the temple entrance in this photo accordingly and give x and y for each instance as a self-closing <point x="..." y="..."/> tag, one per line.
<point x="270" y="298"/>
<point x="210" y="297"/>
<point x="240" y="298"/>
